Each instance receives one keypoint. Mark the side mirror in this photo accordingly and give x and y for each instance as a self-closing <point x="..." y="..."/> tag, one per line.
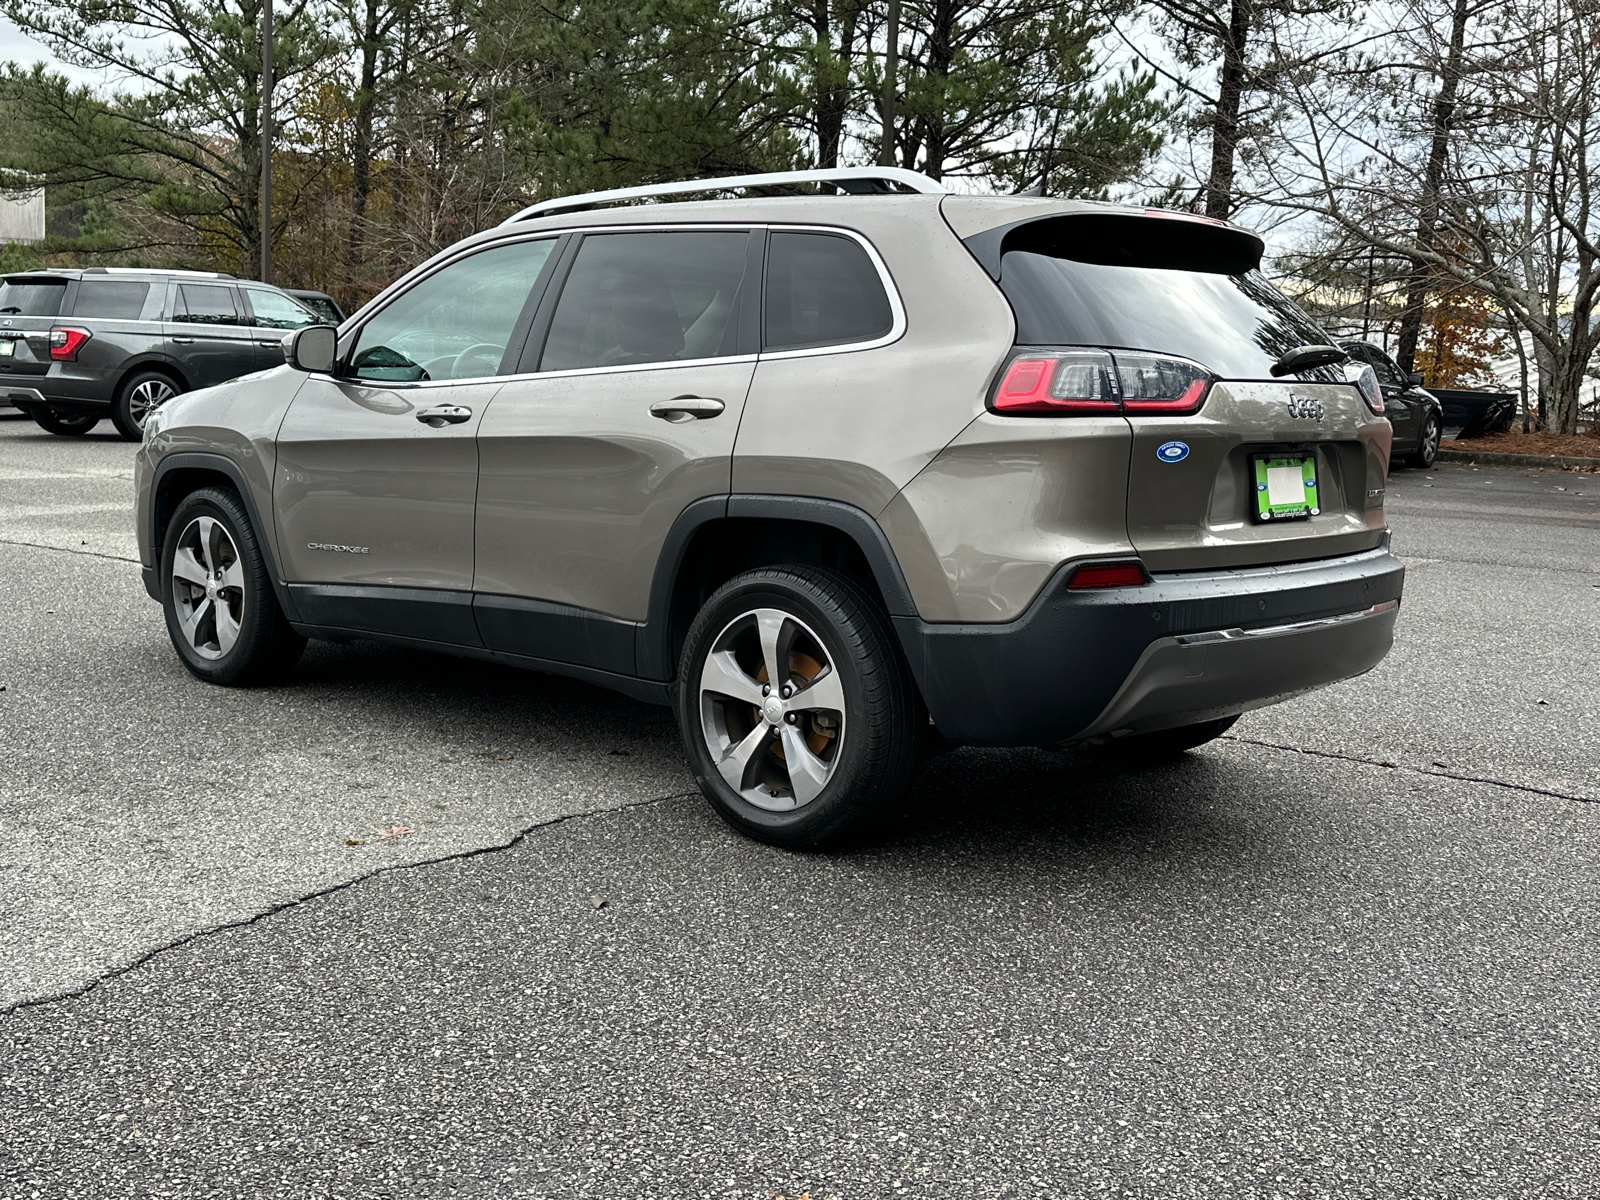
<point x="312" y="348"/>
<point x="1415" y="378"/>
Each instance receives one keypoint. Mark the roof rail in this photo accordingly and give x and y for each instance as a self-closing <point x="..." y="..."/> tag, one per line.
<point x="155" y="271"/>
<point x="857" y="180"/>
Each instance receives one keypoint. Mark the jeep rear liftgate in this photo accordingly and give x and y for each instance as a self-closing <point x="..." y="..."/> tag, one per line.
<point x="1231" y="465"/>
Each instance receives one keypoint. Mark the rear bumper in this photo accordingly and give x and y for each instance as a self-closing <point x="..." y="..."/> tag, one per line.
<point x="29" y="390"/>
<point x="1188" y="647"/>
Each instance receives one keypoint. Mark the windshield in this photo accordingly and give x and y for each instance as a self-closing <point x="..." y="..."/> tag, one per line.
<point x="1235" y="325"/>
<point x="32" y="297"/>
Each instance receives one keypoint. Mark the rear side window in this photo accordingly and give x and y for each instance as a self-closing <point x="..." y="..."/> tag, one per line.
<point x="1389" y="375"/>
<point x="32" y="297"/>
<point x="822" y="290"/>
<point x="110" y="298"/>
<point x="637" y="298"/>
<point x="205" y="304"/>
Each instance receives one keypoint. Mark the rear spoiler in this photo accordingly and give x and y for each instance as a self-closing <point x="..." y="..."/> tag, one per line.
<point x="1152" y="239"/>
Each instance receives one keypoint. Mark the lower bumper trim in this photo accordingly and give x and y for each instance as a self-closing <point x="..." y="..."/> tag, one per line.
<point x="1200" y="677"/>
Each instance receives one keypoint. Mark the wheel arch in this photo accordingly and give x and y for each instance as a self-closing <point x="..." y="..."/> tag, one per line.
<point x="161" y="365"/>
<point x="720" y="537"/>
<point x="183" y="474"/>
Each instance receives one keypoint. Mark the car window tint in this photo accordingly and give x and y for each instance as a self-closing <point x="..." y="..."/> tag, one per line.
<point x="273" y="310"/>
<point x="455" y="323"/>
<point x="634" y="298"/>
<point x="822" y="290"/>
<point x="1238" y="325"/>
<point x="32" y="297"/>
<point x="205" y="304"/>
<point x="110" y="298"/>
<point x="1388" y="370"/>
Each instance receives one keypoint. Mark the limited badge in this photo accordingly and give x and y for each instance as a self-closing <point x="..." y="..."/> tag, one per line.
<point x="1171" y="452"/>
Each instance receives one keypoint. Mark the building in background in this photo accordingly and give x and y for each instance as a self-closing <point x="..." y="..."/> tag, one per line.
<point x="22" y="216"/>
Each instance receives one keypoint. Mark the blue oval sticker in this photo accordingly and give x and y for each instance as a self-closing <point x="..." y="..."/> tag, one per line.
<point x="1172" y="451"/>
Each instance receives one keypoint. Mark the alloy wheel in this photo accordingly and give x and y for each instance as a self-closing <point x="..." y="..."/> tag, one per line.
<point x="772" y="709"/>
<point x="208" y="587"/>
<point x="146" y="397"/>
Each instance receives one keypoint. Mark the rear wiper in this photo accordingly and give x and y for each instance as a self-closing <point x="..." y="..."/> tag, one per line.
<point x="10" y="309"/>
<point x="1303" y="358"/>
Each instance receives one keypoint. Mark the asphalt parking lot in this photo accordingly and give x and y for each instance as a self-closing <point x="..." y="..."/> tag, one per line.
<point x="412" y="926"/>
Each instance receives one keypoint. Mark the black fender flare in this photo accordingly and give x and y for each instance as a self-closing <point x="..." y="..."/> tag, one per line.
<point x="193" y="460"/>
<point x="653" y="653"/>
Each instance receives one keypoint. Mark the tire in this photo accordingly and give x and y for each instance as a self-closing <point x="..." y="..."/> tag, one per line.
<point x="1166" y="744"/>
<point x="857" y="715"/>
<point x="1427" y="445"/>
<point x="227" y="630"/>
<point x="70" y="424"/>
<point x="140" y="394"/>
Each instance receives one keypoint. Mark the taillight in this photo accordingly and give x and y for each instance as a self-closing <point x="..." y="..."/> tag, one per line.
<point x="1366" y="380"/>
<point x="1084" y="382"/>
<point x="66" y="341"/>
<point x="1158" y="384"/>
<point x="1071" y="381"/>
<point x="1095" y="575"/>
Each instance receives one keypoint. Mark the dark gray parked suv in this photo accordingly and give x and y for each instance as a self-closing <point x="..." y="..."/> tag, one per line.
<point x="82" y="344"/>
<point x="823" y="473"/>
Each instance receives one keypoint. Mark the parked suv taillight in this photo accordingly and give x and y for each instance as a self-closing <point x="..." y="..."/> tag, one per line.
<point x="66" y="341"/>
<point x="1366" y="381"/>
<point x="1082" y="382"/>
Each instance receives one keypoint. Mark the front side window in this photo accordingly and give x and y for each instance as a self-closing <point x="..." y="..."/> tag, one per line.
<point x="455" y="323"/>
<point x="116" y="298"/>
<point x="274" y="310"/>
<point x="822" y="290"/>
<point x="205" y="304"/>
<point x="636" y="298"/>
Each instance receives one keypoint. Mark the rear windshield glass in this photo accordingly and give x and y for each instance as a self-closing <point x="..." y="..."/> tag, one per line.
<point x="32" y="297"/>
<point x="110" y="298"/>
<point x="1236" y="325"/>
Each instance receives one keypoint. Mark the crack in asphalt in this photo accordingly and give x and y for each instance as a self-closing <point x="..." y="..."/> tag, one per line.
<point x="1391" y="766"/>
<point x="68" y="550"/>
<point x="294" y="902"/>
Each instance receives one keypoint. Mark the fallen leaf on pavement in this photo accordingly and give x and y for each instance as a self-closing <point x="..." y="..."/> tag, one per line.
<point x="355" y="841"/>
<point x="599" y="901"/>
<point x="394" y="831"/>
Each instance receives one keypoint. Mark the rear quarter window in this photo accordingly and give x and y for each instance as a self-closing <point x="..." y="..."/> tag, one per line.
<point x="822" y="290"/>
<point x="32" y="297"/>
<point x="115" y="298"/>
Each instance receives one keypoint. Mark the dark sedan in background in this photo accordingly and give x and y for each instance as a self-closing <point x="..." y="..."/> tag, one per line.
<point x="1416" y="414"/>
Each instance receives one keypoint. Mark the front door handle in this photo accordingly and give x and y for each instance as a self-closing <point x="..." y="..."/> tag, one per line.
<point x="441" y="415"/>
<point x="687" y="408"/>
<point x="183" y="341"/>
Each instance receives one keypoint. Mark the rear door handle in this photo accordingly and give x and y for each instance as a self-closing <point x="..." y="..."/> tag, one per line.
<point x="183" y="341"/>
<point x="441" y="415"/>
<point x="687" y="408"/>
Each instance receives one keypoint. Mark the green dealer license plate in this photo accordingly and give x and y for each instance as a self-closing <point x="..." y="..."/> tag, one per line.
<point x="1286" y="487"/>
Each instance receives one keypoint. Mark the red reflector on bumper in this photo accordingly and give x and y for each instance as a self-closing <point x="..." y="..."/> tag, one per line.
<point x="1107" y="575"/>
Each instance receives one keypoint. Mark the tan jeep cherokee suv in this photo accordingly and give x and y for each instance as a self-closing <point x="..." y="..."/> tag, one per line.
<point x="819" y="471"/>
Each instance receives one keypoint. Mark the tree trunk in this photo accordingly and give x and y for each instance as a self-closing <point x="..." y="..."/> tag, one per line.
<point x="1444" y="110"/>
<point x="361" y="156"/>
<point x="1225" y="121"/>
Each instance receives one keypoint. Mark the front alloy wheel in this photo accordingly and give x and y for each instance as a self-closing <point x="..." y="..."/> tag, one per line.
<point x="208" y="587"/>
<point x="799" y="715"/>
<point x="222" y="614"/>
